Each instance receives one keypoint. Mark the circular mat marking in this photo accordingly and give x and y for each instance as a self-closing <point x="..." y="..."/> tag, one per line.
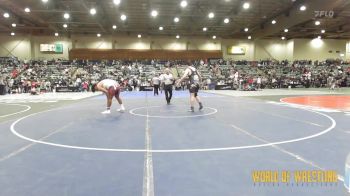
<point x="134" y="112"/>
<point x="13" y="130"/>
<point x="6" y="115"/>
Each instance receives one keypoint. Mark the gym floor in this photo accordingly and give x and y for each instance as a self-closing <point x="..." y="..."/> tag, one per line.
<point x="69" y="148"/>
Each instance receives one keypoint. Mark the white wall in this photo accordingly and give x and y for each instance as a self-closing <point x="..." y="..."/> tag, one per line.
<point x="18" y="46"/>
<point x="273" y="49"/>
<point x="318" y="49"/>
<point x="290" y="50"/>
<point x="203" y="44"/>
<point x="169" y="43"/>
<point x="28" y="47"/>
<point x="131" y="43"/>
<point x="172" y="44"/>
<point x="91" y="42"/>
<point x="347" y="54"/>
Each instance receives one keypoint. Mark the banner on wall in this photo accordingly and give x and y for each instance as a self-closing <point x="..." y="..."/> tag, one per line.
<point x="56" y="48"/>
<point x="236" y="50"/>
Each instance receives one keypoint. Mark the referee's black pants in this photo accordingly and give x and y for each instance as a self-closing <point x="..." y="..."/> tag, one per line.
<point x="168" y="89"/>
<point x="156" y="89"/>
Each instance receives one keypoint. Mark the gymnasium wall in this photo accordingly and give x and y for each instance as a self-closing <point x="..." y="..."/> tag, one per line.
<point x="273" y="49"/>
<point x="36" y="41"/>
<point x="290" y="50"/>
<point x="27" y="47"/>
<point x="319" y="49"/>
<point x="348" y="50"/>
<point x="15" y="46"/>
<point x="247" y="44"/>
<point x="167" y="43"/>
<point x="91" y="42"/>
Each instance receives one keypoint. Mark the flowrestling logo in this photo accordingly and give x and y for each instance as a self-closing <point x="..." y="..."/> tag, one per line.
<point x="324" y="14"/>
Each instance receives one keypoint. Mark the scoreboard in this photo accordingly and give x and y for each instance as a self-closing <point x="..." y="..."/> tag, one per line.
<point x="55" y="48"/>
<point x="236" y="50"/>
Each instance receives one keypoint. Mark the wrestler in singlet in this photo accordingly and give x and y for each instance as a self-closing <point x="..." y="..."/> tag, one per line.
<point x="110" y="88"/>
<point x="194" y="79"/>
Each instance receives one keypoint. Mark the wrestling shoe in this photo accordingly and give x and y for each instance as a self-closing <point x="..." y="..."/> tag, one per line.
<point x="200" y="106"/>
<point x="106" y="112"/>
<point x="121" y="110"/>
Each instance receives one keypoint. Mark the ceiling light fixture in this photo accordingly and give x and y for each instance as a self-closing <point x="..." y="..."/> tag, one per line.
<point x="214" y="36"/>
<point x="116" y="2"/>
<point x="66" y="16"/>
<point x="114" y="26"/>
<point x="246" y="29"/>
<point x="183" y="3"/>
<point x="246" y="5"/>
<point x="6" y="15"/>
<point x="12" y="34"/>
<point x="14" y="24"/>
<point x="205" y="29"/>
<point x="286" y="30"/>
<point x="98" y="35"/>
<point x="249" y="37"/>
<point x="273" y="22"/>
<point x="323" y="31"/>
<point x="92" y="11"/>
<point x="65" y="25"/>
<point x="283" y="38"/>
<point x="211" y="15"/>
<point x="56" y="34"/>
<point x="154" y="13"/>
<point x="139" y="35"/>
<point x="177" y="36"/>
<point x="176" y="19"/>
<point x="302" y="8"/>
<point x="44" y="1"/>
<point x="123" y="17"/>
<point x="317" y="22"/>
<point x="226" y="20"/>
<point x="161" y="28"/>
<point x="27" y="9"/>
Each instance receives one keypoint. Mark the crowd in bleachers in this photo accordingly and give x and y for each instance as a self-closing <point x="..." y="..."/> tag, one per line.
<point x="47" y="76"/>
<point x="284" y="74"/>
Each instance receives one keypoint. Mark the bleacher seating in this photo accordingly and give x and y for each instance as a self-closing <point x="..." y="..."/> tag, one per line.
<point x="274" y="74"/>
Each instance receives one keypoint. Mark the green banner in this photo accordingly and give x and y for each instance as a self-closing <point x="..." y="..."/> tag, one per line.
<point x="59" y="48"/>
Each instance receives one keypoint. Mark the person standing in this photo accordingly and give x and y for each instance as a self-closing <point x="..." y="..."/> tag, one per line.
<point x="167" y="80"/>
<point x="2" y="86"/>
<point x="258" y="82"/>
<point x="85" y="86"/>
<point x="194" y="80"/>
<point x="156" y="84"/>
<point x="134" y="83"/>
<point x="183" y="85"/>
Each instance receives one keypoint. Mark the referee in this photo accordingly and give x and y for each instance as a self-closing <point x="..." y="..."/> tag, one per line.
<point x="167" y="80"/>
<point x="156" y="84"/>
